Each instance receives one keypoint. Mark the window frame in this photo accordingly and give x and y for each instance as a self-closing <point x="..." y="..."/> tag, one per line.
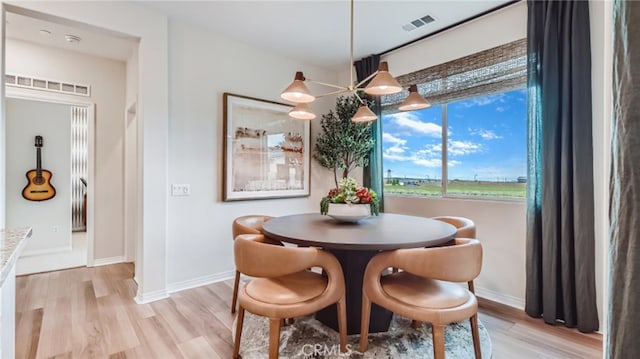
<point x="445" y="162"/>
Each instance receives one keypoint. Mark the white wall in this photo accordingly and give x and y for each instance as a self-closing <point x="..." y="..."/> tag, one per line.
<point x="107" y="80"/>
<point x="3" y="135"/>
<point x="202" y="67"/>
<point x="50" y="219"/>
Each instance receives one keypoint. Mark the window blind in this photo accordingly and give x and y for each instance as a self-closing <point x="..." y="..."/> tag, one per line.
<point x="499" y="69"/>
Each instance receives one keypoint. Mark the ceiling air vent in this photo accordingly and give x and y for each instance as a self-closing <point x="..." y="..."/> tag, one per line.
<point x="47" y="85"/>
<point x="414" y="24"/>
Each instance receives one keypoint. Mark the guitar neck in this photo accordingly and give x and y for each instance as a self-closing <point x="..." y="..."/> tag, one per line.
<point x="38" y="163"/>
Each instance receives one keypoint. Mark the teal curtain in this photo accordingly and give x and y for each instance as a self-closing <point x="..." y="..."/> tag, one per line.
<point x="560" y="267"/>
<point x="624" y="210"/>
<point x="372" y="174"/>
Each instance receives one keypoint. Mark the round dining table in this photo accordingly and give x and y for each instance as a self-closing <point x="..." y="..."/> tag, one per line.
<point x="354" y="244"/>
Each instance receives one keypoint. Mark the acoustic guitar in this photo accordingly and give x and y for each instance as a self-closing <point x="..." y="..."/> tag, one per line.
<point x="39" y="187"/>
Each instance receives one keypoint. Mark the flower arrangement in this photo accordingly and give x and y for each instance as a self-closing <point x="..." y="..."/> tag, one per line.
<point x="349" y="192"/>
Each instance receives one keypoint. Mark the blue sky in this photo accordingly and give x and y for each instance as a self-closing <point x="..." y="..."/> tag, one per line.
<point x="487" y="139"/>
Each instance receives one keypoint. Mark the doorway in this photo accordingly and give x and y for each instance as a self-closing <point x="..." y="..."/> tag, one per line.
<point x="57" y="240"/>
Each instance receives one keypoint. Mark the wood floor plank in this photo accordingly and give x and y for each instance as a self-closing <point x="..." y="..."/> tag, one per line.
<point x="198" y="348"/>
<point x="116" y="324"/>
<point x="28" y="333"/>
<point x="181" y="328"/>
<point x="91" y="313"/>
<point x="89" y="341"/>
<point x="158" y="339"/>
<point x="36" y="288"/>
<point x="56" y="338"/>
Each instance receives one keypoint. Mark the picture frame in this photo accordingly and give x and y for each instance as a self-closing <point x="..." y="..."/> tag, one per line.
<point x="266" y="152"/>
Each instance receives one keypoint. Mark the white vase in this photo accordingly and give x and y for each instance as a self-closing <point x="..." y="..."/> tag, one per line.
<point x="347" y="212"/>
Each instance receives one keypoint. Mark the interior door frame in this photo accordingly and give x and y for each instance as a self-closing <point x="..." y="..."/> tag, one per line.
<point x="131" y="243"/>
<point x="15" y="93"/>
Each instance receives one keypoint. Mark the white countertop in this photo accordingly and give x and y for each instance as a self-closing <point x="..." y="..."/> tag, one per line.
<point x="12" y="241"/>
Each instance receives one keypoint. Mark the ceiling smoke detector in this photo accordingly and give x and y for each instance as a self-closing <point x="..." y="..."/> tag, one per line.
<point x="72" y="39"/>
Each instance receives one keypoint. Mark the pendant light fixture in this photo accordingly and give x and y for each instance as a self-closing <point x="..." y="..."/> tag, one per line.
<point x="382" y="83"/>
<point x="414" y="101"/>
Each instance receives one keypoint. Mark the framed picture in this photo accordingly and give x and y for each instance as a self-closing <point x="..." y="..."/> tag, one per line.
<point x="266" y="152"/>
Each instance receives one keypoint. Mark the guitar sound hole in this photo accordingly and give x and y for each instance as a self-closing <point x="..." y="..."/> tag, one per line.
<point x="38" y="180"/>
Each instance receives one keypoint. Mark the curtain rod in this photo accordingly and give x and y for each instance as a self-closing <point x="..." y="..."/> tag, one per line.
<point x="500" y="7"/>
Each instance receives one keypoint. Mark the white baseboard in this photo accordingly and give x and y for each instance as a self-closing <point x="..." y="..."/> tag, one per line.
<point x="39" y="252"/>
<point x="200" y="281"/>
<point x="143" y="298"/>
<point x="501" y="298"/>
<point x="106" y="261"/>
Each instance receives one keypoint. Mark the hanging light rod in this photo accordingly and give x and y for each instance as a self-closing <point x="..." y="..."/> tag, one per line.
<point x="382" y="83"/>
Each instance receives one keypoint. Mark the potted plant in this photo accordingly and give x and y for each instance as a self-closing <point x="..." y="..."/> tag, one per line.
<point x="343" y="146"/>
<point x="350" y="201"/>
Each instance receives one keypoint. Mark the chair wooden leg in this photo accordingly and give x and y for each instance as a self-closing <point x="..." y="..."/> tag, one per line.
<point x="236" y="284"/>
<point x="476" y="336"/>
<point x="236" y="342"/>
<point x="364" y="327"/>
<point x="274" y="337"/>
<point x="472" y="288"/>
<point x="437" y="332"/>
<point x="342" y="323"/>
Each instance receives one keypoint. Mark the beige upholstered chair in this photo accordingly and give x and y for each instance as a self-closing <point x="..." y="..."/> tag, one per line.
<point x="283" y="287"/>
<point x="423" y="291"/>
<point x="465" y="229"/>
<point x="251" y="224"/>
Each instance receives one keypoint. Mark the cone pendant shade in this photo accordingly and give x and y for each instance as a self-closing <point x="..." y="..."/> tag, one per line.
<point x="298" y="92"/>
<point x="364" y="114"/>
<point x="302" y="111"/>
<point x="414" y="101"/>
<point x="383" y="83"/>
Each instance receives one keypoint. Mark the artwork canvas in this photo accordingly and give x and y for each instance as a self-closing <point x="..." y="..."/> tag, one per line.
<point x="266" y="151"/>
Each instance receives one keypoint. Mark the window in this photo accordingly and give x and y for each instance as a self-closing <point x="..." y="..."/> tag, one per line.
<point x="472" y="141"/>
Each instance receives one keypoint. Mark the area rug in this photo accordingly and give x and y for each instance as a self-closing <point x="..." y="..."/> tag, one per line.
<point x="308" y="338"/>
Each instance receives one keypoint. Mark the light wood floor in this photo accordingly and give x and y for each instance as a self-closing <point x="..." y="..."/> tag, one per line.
<point x="90" y="312"/>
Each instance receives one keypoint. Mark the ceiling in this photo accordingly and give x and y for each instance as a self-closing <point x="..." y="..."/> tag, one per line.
<point x="310" y="31"/>
<point x="92" y="41"/>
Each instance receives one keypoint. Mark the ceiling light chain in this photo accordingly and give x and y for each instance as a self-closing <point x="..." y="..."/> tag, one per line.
<point x="382" y="83"/>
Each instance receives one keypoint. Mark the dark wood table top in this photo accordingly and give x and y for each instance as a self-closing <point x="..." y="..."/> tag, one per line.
<point x="383" y="232"/>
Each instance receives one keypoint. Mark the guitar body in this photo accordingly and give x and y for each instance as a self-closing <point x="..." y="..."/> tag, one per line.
<point x="39" y="188"/>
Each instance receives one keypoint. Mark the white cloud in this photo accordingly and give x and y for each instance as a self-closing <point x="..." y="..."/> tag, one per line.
<point x="395" y="149"/>
<point x="387" y="137"/>
<point x="412" y="122"/>
<point x="430" y="150"/>
<point x="483" y="101"/>
<point x="457" y="148"/>
<point x="432" y="162"/>
<point x="395" y="156"/>
<point x="485" y="134"/>
<point x="501" y="109"/>
<point x="427" y="157"/>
